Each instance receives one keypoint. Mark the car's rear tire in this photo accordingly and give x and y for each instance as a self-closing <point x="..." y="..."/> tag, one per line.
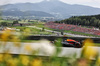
<point x="76" y="45"/>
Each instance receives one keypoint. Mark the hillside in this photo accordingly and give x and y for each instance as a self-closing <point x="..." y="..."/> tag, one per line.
<point x="54" y="7"/>
<point x="26" y="13"/>
<point x="91" y="21"/>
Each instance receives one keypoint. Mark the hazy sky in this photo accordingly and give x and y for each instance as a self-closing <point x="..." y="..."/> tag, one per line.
<point x="93" y="3"/>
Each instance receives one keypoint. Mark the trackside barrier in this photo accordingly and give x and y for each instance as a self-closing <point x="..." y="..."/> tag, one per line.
<point x="52" y="38"/>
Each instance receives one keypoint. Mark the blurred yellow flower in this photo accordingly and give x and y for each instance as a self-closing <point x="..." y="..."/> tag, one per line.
<point x="28" y="48"/>
<point x="25" y="60"/>
<point x="89" y="50"/>
<point x="88" y="42"/>
<point x="1" y="58"/>
<point x="7" y="56"/>
<point x="5" y="35"/>
<point x="98" y="62"/>
<point x="16" y="61"/>
<point x="12" y="62"/>
<point x="36" y="62"/>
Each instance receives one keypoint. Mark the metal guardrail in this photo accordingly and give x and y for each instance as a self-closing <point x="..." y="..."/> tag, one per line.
<point x="52" y="38"/>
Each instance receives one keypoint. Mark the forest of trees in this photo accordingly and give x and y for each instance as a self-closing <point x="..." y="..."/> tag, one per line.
<point x="93" y="21"/>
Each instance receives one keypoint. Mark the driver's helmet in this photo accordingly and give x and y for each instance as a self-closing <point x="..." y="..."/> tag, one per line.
<point x="70" y="40"/>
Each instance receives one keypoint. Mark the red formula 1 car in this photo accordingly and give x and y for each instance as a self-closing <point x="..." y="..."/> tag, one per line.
<point x="71" y="42"/>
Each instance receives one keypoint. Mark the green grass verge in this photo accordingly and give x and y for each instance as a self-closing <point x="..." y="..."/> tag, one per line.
<point x="79" y="33"/>
<point x="8" y="21"/>
<point x="97" y="44"/>
<point x="35" y="31"/>
<point x="29" y="41"/>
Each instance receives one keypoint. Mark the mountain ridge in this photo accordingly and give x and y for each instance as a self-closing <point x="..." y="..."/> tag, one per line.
<point x="26" y="13"/>
<point x="55" y="7"/>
